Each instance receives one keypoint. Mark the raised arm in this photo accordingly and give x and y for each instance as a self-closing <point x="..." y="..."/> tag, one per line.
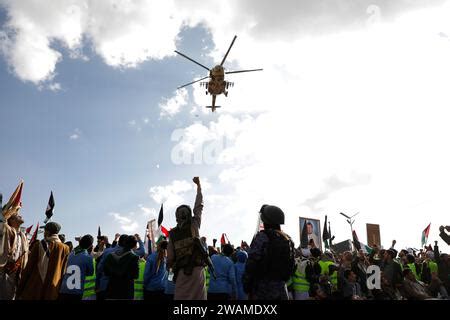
<point x="198" y="206"/>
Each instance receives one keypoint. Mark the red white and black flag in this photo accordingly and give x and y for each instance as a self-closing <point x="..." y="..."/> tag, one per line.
<point x="50" y="207"/>
<point x="34" y="237"/>
<point x="160" y="216"/>
<point x="425" y="234"/>
<point x="28" y="230"/>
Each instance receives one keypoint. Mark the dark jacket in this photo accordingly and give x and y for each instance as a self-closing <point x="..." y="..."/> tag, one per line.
<point x="443" y="269"/>
<point x="122" y="267"/>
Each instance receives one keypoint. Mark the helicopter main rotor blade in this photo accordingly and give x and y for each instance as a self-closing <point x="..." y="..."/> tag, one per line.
<point x="185" y="56"/>
<point x="239" y="71"/>
<point x="355" y="215"/>
<point x="188" y="84"/>
<point x="345" y="215"/>
<point x="226" y="54"/>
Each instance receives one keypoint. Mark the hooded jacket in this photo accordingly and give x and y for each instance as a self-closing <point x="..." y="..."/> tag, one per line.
<point x="239" y="267"/>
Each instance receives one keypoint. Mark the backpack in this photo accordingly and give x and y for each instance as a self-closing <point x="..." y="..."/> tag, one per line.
<point x="278" y="262"/>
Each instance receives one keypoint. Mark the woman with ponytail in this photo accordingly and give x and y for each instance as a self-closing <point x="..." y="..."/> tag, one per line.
<point x="155" y="274"/>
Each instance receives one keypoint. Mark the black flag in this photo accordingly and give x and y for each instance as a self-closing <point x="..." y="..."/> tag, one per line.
<point x="1" y="201"/>
<point x="325" y="234"/>
<point x="304" y="238"/>
<point x="329" y="232"/>
<point x="50" y="207"/>
<point x="356" y="243"/>
<point x="99" y="233"/>
<point x="160" y="217"/>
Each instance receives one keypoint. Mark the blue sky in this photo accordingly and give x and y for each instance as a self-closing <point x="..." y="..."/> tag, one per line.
<point x="111" y="165"/>
<point x="89" y="109"/>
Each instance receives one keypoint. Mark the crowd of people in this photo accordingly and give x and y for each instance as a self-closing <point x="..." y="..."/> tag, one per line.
<point x="185" y="267"/>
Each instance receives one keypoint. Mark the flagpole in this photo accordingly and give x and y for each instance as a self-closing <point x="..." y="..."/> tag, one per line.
<point x="329" y="231"/>
<point x="350" y="221"/>
<point x="152" y="236"/>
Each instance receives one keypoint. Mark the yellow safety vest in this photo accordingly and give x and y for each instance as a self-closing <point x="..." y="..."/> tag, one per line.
<point x="89" y="286"/>
<point x="433" y="267"/>
<point x="139" y="282"/>
<point x="324" y="269"/>
<point x="299" y="282"/>
<point x="412" y="266"/>
<point x="207" y="276"/>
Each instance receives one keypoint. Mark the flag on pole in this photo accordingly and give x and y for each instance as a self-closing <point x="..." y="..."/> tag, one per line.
<point x="34" y="237"/>
<point x="326" y="234"/>
<point x="425" y="234"/>
<point x="304" y="236"/>
<point x="28" y="230"/>
<point x="50" y="206"/>
<point x="160" y="216"/>
<point x="222" y="239"/>
<point x="14" y="203"/>
<point x="164" y="231"/>
<point x="329" y="232"/>
<point x="146" y="241"/>
<point x="356" y="242"/>
<point x="365" y="248"/>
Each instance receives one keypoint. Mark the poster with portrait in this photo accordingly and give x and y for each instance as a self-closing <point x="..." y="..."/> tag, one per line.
<point x="310" y="230"/>
<point x="373" y="234"/>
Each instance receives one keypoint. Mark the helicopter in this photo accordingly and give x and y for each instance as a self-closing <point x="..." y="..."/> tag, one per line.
<point x="216" y="84"/>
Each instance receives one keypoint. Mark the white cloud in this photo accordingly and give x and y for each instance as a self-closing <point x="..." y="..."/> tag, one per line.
<point x="75" y="135"/>
<point x="147" y="212"/>
<point x="123" y="33"/>
<point x="127" y="224"/>
<point x="127" y="33"/>
<point x="353" y="121"/>
<point x="171" y="195"/>
<point x="173" y="105"/>
<point x="54" y="86"/>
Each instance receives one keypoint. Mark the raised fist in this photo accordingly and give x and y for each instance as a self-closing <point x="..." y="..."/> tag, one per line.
<point x="196" y="181"/>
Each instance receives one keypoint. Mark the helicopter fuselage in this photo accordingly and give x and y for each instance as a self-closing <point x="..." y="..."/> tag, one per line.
<point x="217" y="84"/>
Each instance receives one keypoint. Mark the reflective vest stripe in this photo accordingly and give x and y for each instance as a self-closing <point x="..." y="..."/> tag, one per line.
<point x="433" y="267"/>
<point x="300" y="284"/>
<point x="89" y="286"/>
<point x="412" y="266"/>
<point x="139" y="282"/>
<point x="207" y="276"/>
